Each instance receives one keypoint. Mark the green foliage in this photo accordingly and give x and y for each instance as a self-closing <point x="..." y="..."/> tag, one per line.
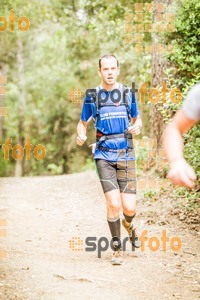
<point x="192" y="148"/>
<point x="151" y="194"/>
<point x="89" y="165"/>
<point x="185" y="39"/>
<point x="184" y="73"/>
<point x="142" y="153"/>
<point x="60" y="53"/>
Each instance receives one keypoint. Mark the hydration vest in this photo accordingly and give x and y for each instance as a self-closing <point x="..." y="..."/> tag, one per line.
<point x="99" y="103"/>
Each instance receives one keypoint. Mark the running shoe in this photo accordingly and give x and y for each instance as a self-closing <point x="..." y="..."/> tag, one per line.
<point x="117" y="257"/>
<point x="133" y="236"/>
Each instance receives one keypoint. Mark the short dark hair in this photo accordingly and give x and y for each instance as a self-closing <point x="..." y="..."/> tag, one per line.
<point x="107" y="56"/>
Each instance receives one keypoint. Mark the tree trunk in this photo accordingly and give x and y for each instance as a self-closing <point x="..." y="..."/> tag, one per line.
<point x="19" y="169"/>
<point x="157" y="75"/>
<point x="2" y="98"/>
<point x="1" y="117"/>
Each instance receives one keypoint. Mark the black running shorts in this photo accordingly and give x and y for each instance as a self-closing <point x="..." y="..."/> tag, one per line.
<point x="117" y="175"/>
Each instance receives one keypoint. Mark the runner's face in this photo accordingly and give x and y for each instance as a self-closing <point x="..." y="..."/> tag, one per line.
<point x="109" y="70"/>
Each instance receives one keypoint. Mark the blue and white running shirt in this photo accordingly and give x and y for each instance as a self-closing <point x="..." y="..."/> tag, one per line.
<point x="111" y="120"/>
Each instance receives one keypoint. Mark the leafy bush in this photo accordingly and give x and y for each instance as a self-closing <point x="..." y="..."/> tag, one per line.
<point x="184" y="73"/>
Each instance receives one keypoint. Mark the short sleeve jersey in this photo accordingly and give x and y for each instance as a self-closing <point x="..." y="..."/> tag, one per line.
<point x="112" y="119"/>
<point x="191" y="105"/>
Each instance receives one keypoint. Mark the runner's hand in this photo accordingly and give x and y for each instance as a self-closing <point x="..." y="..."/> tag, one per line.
<point x="80" y="140"/>
<point x="134" y="129"/>
<point x="181" y="173"/>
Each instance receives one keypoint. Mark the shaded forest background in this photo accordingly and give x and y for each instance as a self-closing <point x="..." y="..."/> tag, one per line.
<point x="59" y="53"/>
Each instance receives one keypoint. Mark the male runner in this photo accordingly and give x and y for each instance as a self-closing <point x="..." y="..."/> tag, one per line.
<point x="181" y="173"/>
<point x="114" y="154"/>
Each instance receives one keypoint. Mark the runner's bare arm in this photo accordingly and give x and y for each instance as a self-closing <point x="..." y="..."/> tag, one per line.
<point x="181" y="173"/>
<point x="172" y="137"/>
<point x="81" y="132"/>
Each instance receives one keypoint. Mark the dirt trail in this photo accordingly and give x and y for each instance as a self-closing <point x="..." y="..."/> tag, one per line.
<point x="44" y="213"/>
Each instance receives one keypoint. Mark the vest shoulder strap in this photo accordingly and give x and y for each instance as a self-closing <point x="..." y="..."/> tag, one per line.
<point x="94" y="98"/>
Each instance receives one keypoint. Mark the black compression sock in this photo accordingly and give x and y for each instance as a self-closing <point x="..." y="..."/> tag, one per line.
<point x="129" y="218"/>
<point x="114" y="225"/>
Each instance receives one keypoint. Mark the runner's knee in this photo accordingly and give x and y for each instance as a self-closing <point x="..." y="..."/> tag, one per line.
<point x="129" y="217"/>
<point x="114" y="205"/>
<point x="129" y="211"/>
